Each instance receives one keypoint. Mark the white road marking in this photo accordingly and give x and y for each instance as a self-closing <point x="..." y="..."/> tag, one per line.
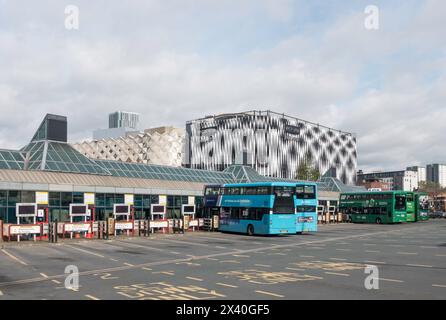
<point x="377" y="262"/>
<point x="338" y="274"/>
<point x="407" y="253"/>
<point x="337" y="259"/>
<point x="373" y="251"/>
<point x="270" y="294"/>
<point x="226" y="285"/>
<point x="295" y="269"/>
<point x="419" y="265"/>
<point x="196" y="279"/>
<point x="13" y="257"/>
<point x="85" y="251"/>
<point x="440" y="255"/>
<point x="148" y="269"/>
<point x="344" y="249"/>
<point x="262" y="265"/>
<point x="439" y="285"/>
<point x="92" y="297"/>
<point x="55" y="281"/>
<point x="129" y="264"/>
<point x="220" y="247"/>
<point x="44" y="275"/>
<point x="1" y="293"/>
<point x="306" y="256"/>
<point x="390" y="280"/>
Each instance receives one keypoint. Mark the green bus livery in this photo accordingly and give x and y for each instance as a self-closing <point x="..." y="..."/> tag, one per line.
<point x="374" y="207"/>
<point x="410" y="203"/>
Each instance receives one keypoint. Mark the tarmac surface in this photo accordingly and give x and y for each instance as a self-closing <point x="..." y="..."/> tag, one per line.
<point x="333" y="263"/>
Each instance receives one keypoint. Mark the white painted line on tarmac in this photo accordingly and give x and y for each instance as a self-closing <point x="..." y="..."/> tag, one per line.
<point x="407" y="253"/>
<point x="369" y="244"/>
<point x="13" y="257"/>
<point x="240" y="255"/>
<point x="56" y="281"/>
<point x="44" y="275"/>
<point x="377" y="262"/>
<point x="220" y="247"/>
<point x="372" y="251"/>
<point x="439" y="285"/>
<point x="294" y="269"/>
<point x="337" y="274"/>
<point x="428" y="247"/>
<point x="390" y="280"/>
<point x="306" y="256"/>
<point x="129" y="264"/>
<point x="419" y="265"/>
<point x="226" y="285"/>
<point x="196" y="279"/>
<point x="91" y="297"/>
<point x="270" y="294"/>
<point x="344" y="249"/>
<point x="85" y="251"/>
<point x="262" y="265"/>
<point x="148" y="269"/>
<point x="440" y="255"/>
<point x="337" y="259"/>
<point x="1" y="293"/>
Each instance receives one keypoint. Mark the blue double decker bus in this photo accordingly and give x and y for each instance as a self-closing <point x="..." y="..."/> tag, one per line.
<point x="306" y="201"/>
<point x="254" y="208"/>
<point x="265" y="208"/>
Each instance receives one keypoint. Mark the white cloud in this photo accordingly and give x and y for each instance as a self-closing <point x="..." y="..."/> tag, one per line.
<point x="162" y="59"/>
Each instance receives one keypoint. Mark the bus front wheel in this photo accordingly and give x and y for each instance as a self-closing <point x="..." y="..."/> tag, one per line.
<point x="378" y="220"/>
<point x="250" y="230"/>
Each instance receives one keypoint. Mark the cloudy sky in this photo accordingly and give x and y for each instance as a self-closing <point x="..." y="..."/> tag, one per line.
<point x="174" y="61"/>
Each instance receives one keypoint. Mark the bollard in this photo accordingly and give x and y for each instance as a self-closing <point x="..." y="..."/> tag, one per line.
<point x="55" y="231"/>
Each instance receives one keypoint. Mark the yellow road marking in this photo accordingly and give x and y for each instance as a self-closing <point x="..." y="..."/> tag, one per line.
<point x="92" y="297"/>
<point x="196" y="279"/>
<point x="270" y="294"/>
<point x="390" y="280"/>
<point x="338" y="274"/>
<point x="85" y="251"/>
<point x="14" y="257"/>
<point x="439" y="285"/>
<point x="226" y="285"/>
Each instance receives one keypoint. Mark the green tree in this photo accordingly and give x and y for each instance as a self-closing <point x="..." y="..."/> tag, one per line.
<point x="307" y="170"/>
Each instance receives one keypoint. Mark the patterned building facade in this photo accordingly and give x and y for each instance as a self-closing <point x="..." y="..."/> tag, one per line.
<point x="274" y="144"/>
<point x="162" y="146"/>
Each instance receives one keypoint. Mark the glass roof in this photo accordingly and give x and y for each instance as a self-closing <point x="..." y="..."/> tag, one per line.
<point x="146" y="171"/>
<point x="11" y="159"/>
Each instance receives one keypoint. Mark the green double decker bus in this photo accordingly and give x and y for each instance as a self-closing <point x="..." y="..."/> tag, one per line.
<point x="421" y="206"/>
<point x="410" y="205"/>
<point x="374" y="207"/>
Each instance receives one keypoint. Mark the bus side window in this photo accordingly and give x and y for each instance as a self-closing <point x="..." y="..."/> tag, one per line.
<point x="383" y="210"/>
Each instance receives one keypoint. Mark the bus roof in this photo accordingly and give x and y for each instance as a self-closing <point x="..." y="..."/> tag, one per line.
<point x="269" y="184"/>
<point x="376" y="192"/>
